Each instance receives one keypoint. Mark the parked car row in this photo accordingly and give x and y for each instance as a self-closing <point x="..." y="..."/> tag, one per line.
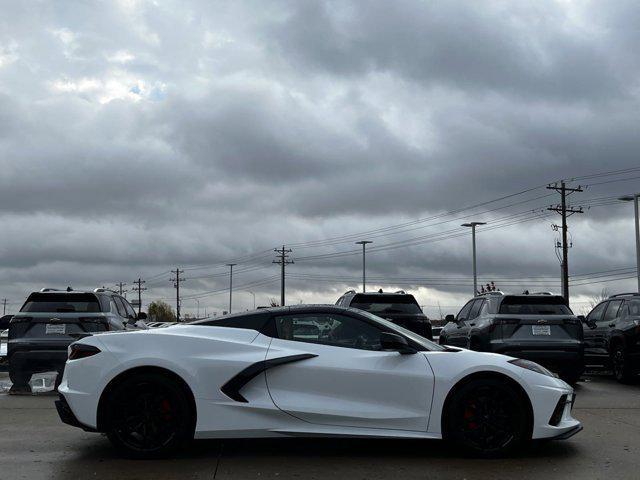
<point x="50" y="320"/>
<point x="542" y="328"/>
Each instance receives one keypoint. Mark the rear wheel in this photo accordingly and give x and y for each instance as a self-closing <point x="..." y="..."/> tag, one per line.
<point x="148" y="416"/>
<point x="621" y="365"/>
<point x="488" y="418"/>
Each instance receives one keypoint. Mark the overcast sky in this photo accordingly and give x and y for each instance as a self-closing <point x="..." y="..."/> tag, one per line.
<point x="139" y="136"/>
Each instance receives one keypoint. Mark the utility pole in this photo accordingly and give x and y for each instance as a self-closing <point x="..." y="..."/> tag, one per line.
<point x="635" y="198"/>
<point x="231" y="265"/>
<point x="282" y="260"/>
<point x="120" y="286"/>
<point x="4" y="306"/>
<point x="176" y="285"/>
<point x="139" y="288"/>
<point x="364" y="244"/>
<point x="254" y="298"/>
<point x="473" y="226"/>
<point x="565" y="212"/>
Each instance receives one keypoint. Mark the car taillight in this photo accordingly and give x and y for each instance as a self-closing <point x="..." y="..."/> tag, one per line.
<point x="79" y="350"/>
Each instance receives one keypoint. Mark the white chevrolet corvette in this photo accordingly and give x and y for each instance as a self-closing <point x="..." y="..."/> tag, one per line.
<point x="305" y="371"/>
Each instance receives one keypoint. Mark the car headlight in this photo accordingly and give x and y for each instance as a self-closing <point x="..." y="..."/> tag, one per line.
<point x="533" y="366"/>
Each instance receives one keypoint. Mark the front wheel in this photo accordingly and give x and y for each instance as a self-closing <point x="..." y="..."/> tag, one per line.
<point x="622" y="369"/>
<point x="487" y="418"/>
<point x="148" y="416"/>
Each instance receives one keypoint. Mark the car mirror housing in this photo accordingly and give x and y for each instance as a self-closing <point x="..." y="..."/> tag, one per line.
<point x="393" y="341"/>
<point x="450" y="318"/>
<point x="142" y="316"/>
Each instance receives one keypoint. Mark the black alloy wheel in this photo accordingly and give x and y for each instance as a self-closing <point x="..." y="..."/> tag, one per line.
<point x="148" y="416"/>
<point x="487" y="418"/>
<point x="620" y="364"/>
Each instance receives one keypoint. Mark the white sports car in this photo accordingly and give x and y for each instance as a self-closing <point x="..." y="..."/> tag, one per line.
<point x="305" y="371"/>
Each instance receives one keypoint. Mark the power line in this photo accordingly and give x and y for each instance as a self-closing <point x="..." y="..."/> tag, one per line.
<point x="139" y="288"/>
<point x="565" y="212"/>
<point x="283" y="260"/>
<point x="177" y="272"/>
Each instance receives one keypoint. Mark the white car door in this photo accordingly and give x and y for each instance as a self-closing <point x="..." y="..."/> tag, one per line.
<point x="349" y="381"/>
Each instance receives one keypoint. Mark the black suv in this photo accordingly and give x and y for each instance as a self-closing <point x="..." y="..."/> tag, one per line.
<point x="612" y="336"/>
<point x="51" y="319"/>
<point x="537" y="327"/>
<point x="400" y="308"/>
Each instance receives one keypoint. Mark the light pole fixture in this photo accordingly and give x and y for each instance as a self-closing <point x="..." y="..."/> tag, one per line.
<point x="635" y="198"/>
<point x="473" y="226"/>
<point x="364" y="244"/>
<point x="230" y="265"/>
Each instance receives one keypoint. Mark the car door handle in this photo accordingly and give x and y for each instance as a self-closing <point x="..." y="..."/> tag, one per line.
<point x="612" y="324"/>
<point x="472" y="324"/>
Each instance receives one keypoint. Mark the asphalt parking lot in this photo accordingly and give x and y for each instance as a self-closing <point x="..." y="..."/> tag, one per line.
<point x="34" y="444"/>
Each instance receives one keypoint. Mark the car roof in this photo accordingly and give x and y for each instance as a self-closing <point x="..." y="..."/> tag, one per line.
<point x="299" y="308"/>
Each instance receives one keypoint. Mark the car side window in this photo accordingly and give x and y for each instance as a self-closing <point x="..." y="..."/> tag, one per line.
<point x="612" y="311"/>
<point x="122" y="311"/>
<point x="475" y="310"/>
<point x="596" y="313"/>
<point x="130" y="311"/>
<point x="464" y="313"/>
<point x="634" y="308"/>
<point x="328" y="329"/>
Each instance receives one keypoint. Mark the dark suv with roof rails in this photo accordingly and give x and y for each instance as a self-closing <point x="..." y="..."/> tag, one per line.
<point x="538" y="327"/>
<point x="50" y="320"/>
<point x="399" y="307"/>
<point x="612" y="336"/>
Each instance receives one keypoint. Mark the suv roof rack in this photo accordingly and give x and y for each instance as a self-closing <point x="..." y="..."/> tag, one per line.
<point x="495" y="292"/>
<point x="102" y="290"/>
<point x="630" y="294"/>
<point x="401" y="291"/>
<point x="350" y="291"/>
<point x="526" y="292"/>
<point x="42" y="290"/>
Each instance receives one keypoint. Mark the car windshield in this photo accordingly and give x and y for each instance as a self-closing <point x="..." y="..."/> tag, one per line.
<point x="427" y="344"/>
<point x="534" y="306"/>
<point x="61" y="303"/>
<point x="377" y="304"/>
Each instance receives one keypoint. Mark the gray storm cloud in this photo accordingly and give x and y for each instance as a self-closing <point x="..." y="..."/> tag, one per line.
<point x="135" y="137"/>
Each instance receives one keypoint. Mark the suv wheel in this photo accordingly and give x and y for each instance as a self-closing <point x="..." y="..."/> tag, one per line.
<point x="621" y="365"/>
<point x="148" y="416"/>
<point x="487" y="418"/>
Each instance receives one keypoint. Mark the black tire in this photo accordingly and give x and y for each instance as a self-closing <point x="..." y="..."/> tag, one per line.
<point x="20" y="379"/>
<point x="487" y="418"/>
<point x="148" y="416"/>
<point x="620" y="364"/>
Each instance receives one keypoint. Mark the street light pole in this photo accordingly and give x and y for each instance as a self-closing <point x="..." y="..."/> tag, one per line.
<point x="364" y="244"/>
<point x="254" y="298"/>
<point x="473" y="226"/>
<point x="198" y="311"/>
<point x="230" y="265"/>
<point x="635" y="198"/>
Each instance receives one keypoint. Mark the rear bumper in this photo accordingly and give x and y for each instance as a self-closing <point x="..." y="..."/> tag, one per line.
<point x="556" y="359"/>
<point x="35" y="361"/>
<point x="67" y="416"/>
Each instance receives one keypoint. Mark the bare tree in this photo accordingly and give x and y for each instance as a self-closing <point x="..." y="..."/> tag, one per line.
<point x="596" y="299"/>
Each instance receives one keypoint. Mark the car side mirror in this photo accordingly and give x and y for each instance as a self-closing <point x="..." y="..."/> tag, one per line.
<point x="393" y="341"/>
<point x="142" y="316"/>
<point x="450" y="318"/>
<point x="589" y="323"/>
